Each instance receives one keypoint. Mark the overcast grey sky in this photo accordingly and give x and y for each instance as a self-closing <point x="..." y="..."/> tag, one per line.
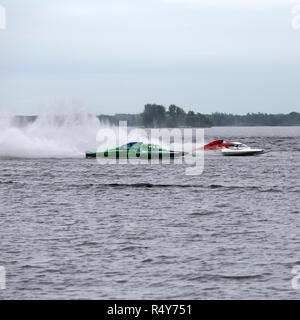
<point x="116" y="55"/>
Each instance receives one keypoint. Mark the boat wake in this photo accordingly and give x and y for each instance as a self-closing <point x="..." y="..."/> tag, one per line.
<point x="51" y="135"/>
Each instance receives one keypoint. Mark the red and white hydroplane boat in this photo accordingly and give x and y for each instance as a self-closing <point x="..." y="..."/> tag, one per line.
<point x="231" y="148"/>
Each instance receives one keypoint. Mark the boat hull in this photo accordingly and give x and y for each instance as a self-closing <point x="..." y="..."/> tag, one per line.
<point x="247" y="152"/>
<point x="136" y="155"/>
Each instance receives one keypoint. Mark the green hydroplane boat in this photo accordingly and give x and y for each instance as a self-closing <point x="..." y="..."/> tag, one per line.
<point x="137" y="150"/>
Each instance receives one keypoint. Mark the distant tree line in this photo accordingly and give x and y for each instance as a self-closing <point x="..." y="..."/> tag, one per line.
<point x="255" y="119"/>
<point x="158" y="116"/>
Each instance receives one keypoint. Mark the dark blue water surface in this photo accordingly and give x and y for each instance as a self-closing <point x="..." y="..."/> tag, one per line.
<point x="72" y="229"/>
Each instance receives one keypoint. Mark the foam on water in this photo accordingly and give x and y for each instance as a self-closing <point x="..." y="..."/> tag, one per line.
<point x="53" y="134"/>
